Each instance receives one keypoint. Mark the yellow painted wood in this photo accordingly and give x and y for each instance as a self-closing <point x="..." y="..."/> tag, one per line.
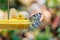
<point x="14" y="24"/>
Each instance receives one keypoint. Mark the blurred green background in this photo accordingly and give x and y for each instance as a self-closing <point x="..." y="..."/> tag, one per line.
<point x="4" y="4"/>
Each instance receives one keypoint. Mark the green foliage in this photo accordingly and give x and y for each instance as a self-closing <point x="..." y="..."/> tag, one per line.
<point x="58" y="30"/>
<point x="4" y="4"/>
<point x="44" y="35"/>
<point x="53" y="3"/>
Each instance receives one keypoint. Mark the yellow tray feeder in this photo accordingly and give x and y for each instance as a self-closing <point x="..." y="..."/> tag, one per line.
<point x="14" y="24"/>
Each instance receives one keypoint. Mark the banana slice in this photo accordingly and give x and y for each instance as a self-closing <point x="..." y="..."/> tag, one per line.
<point x="23" y="15"/>
<point x="1" y="14"/>
<point x="12" y="13"/>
